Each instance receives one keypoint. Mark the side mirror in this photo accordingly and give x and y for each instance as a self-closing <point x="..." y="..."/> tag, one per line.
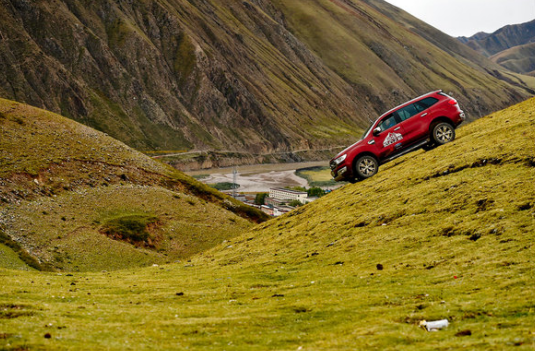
<point x="376" y="131"/>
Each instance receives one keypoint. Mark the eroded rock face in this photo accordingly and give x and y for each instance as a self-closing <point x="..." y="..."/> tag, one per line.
<point x="181" y="75"/>
<point x="161" y="76"/>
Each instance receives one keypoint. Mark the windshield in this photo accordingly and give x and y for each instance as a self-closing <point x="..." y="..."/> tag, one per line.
<point x="367" y="131"/>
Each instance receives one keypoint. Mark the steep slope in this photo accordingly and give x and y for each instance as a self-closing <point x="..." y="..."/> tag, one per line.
<point x="173" y="75"/>
<point x="249" y="76"/>
<point x="455" y="47"/>
<point x="76" y="199"/>
<point x="443" y="234"/>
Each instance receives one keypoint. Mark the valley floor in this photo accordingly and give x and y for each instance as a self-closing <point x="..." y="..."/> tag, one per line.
<point x="260" y="178"/>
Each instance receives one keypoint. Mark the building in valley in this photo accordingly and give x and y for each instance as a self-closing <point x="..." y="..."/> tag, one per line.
<point x="288" y="195"/>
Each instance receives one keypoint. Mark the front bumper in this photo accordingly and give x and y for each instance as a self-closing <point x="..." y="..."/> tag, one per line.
<point x="340" y="174"/>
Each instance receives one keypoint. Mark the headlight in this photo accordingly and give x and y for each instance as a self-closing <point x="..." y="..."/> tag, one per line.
<point x="339" y="160"/>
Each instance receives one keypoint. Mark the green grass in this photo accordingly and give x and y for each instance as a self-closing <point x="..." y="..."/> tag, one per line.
<point x="68" y="232"/>
<point x="317" y="176"/>
<point x="442" y="234"/>
<point x="64" y="186"/>
<point x="9" y="258"/>
<point x="35" y="139"/>
<point x="224" y="186"/>
<point x="13" y="256"/>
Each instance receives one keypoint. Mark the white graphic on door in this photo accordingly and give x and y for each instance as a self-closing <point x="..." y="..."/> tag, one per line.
<point x="392" y="138"/>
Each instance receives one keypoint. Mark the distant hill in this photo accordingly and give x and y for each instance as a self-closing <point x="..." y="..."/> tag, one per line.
<point x="505" y="38"/>
<point x="519" y="59"/>
<point x="511" y="46"/>
<point x="72" y="198"/>
<point x="233" y="76"/>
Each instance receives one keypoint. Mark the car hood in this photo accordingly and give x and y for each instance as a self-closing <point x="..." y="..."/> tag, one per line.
<point x="347" y="149"/>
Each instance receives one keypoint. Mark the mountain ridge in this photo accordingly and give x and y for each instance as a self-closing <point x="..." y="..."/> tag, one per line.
<point x="239" y="76"/>
<point x="510" y="46"/>
<point x="502" y="39"/>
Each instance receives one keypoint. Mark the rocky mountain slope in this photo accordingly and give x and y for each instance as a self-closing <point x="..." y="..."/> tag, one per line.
<point x="505" y="38"/>
<point x="444" y="234"/>
<point x="511" y="46"/>
<point x="249" y="76"/>
<point x="72" y="198"/>
<point x="519" y="59"/>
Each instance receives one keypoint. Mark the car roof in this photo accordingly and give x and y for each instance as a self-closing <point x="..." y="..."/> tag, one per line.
<point x="408" y="103"/>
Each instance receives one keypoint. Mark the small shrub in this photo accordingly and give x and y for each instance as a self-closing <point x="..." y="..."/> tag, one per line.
<point x="315" y="192"/>
<point x="130" y="227"/>
<point x="260" y="199"/>
<point x="225" y="186"/>
<point x="295" y="203"/>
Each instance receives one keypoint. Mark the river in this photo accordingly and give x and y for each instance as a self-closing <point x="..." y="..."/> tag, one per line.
<point x="259" y="178"/>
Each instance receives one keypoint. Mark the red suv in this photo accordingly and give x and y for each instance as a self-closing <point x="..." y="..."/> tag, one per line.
<point x="425" y="122"/>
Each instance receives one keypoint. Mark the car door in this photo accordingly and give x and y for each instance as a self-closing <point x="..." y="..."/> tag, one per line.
<point x="411" y="124"/>
<point x="389" y="136"/>
<point x="415" y="120"/>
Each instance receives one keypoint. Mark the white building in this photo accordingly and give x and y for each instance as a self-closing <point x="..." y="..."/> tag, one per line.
<point x="288" y="195"/>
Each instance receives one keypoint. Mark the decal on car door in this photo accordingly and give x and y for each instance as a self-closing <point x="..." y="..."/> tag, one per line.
<point x="392" y="138"/>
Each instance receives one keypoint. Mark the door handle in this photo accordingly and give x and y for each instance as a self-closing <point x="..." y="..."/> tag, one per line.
<point x="425" y="114"/>
<point x="397" y="128"/>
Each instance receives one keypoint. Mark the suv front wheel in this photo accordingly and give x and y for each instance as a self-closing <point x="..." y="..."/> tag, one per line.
<point x="443" y="133"/>
<point x="366" y="167"/>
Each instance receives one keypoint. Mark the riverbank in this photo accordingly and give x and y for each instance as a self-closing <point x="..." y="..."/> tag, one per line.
<point x="258" y="178"/>
<point x="193" y="161"/>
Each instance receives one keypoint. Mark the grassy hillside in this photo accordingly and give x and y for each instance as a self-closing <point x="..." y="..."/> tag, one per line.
<point x="72" y="198"/>
<point x="442" y="234"/>
<point x="467" y="54"/>
<point x="254" y="77"/>
<point x="390" y="56"/>
<point x="518" y="58"/>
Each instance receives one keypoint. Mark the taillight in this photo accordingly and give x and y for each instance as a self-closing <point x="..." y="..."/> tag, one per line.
<point x="452" y="102"/>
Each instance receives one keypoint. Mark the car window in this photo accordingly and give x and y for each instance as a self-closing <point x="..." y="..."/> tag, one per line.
<point x="407" y="112"/>
<point x="425" y="103"/>
<point x="388" y="122"/>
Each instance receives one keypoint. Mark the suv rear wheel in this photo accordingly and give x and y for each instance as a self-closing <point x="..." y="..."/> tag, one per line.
<point x="366" y="167"/>
<point x="443" y="133"/>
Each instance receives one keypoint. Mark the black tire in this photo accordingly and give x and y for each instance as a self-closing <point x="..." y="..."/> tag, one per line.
<point x="366" y="167"/>
<point x="443" y="133"/>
